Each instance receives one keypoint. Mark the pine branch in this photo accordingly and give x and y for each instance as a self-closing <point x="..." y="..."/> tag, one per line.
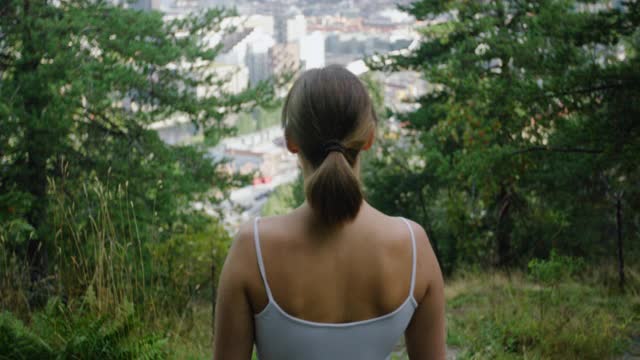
<point x="558" y="149"/>
<point x="620" y="85"/>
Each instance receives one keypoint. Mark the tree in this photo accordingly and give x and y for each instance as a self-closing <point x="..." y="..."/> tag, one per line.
<point x="81" y="81"/>
<point x="527" y="129"/>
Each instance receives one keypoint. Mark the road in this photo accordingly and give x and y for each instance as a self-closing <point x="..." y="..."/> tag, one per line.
<point x="246" y="202"/>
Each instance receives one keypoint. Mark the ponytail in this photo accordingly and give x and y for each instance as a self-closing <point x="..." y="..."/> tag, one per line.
<point x="329" y="116"/>
<point x="333" y="190"/>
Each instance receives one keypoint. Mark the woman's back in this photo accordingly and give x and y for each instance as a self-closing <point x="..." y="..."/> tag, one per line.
<point x="344" y="271"/>
<point x="358" y="272"/>
<point x="334" y="279"/>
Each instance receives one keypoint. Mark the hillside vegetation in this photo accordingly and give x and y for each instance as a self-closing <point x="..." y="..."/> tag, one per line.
<point x="520" y="160"/>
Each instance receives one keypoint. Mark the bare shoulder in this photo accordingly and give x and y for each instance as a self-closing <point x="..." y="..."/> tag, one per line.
<point x="423" y="244"/>
<point x="426" y="334"/>
<point x="281" y="230"/>
<point x="273" y="225"/>
<point x="233" y="313"/>
<point x="241" y="254"/>
<point x="243" y="241"/>
<point x="428" y="273"/>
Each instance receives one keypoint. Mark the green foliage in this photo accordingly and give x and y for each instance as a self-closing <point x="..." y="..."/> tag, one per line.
<point x="554" y="270"/>
<point x="81" y="83"/>
<point x="550" y="273"/>
<point x="184" y="264"/>
<point x="60" y="332"/>
<point x="18" y="342"/>
<point x="93" y="205"/>
<point x="258" y="119"/>
<point x="525" y="140"/>
<point x="491" y="317"/>
<point x="189" y="337"/>
<point x="284" y="198"/>
<point x="102" y="259"/>
<point x="376" y="92"/>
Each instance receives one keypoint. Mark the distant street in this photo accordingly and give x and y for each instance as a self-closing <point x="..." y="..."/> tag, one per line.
<point x="260" y="152"/>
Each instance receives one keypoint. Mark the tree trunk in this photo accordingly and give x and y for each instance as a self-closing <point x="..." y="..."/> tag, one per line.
<point x="619" y="242"/>
<point x="503" y="228"/>
<point x="37" y="149"/>
<point x="426" y="224"/>
<point x="37" y="251"/>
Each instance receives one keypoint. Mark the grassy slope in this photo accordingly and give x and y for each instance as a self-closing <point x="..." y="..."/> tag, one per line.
<point x="496" y="316"/>
<point x="489" y="315"/>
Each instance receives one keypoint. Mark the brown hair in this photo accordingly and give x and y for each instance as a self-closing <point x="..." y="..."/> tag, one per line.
<point x="329" y="115"/>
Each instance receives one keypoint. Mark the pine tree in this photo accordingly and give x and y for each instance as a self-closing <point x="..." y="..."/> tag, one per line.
<point x="528" y="129"/>
<point x="80" y="83"/>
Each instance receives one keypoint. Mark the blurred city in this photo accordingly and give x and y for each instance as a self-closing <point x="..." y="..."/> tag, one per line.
<point x="271" y="38"/>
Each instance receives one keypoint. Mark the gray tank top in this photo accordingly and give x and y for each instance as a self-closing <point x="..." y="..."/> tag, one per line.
<point x="280" y="336"/>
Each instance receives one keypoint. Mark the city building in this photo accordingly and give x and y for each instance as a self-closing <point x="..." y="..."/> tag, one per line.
<point x="248" y="47"/>
<point x="258" y="60"/>
<point x="233" y="78"/>
<point x="312" y="50"/>
<point x="139" y="4"/>
<point x="289" y="24"/>
<point x="258" y="152"/>
<point x="343" y="48"/>
<point x="285" y="58"/>
<point x="265" y="23"/>
<point x="216" y="3"/>
<point x="234" y="46"/>
<point x="280" y="28"/>
<point x="296" y="28"/>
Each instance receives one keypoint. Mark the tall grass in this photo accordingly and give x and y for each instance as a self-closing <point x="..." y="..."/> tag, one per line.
<point x="97" y="246"/>
<point x="101" y="260"/>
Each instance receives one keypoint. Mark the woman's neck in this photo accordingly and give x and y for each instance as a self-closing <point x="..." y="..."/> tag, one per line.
<point x="307" y="215"/>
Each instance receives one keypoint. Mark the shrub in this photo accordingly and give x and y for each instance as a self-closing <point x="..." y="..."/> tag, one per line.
<point x="62" y="331"/>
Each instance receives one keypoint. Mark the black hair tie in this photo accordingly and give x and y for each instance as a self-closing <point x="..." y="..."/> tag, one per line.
<point x="333" y="145"/>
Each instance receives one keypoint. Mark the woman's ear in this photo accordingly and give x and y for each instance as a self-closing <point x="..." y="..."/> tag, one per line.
<point x="291" y="145"/>
<point x="370" y="140"/>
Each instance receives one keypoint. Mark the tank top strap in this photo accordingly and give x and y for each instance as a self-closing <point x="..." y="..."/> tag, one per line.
<point x="413" y="258"/>
<point x="263" y="273"/>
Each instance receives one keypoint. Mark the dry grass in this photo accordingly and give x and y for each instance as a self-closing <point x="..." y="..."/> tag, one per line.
<point x="499" y="316"/>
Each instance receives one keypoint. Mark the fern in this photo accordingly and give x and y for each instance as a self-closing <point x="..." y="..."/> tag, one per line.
<point x="18" y="342"/>
<point x="59" y="332"/>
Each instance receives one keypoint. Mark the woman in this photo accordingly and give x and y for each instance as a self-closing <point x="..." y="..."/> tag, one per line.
<point x="335" y="279"/>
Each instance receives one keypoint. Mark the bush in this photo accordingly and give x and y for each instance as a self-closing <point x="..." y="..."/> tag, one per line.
<point x="182" y="265"/>
<point x="64" y="332"/>
<point x="555" y="269"/>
